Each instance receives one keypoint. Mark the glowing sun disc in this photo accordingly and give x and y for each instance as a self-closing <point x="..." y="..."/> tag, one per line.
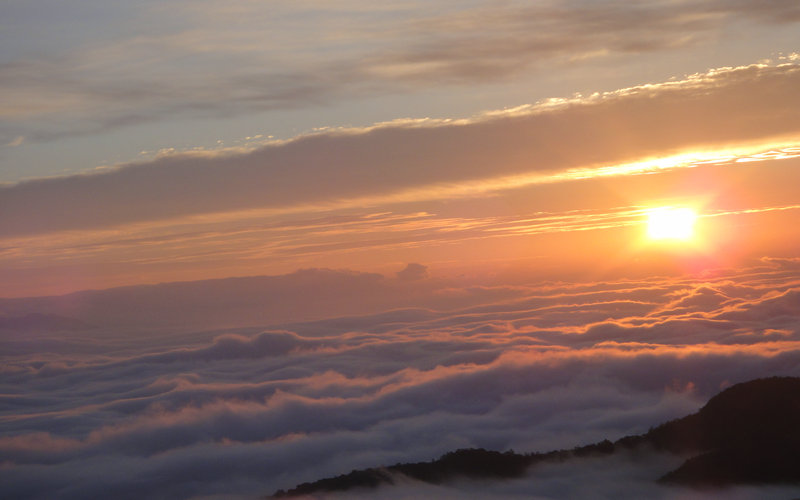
<point x="671" y="223"/>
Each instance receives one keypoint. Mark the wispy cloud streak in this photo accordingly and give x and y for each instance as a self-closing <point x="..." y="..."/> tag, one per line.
<point x="706" y="111"/>
<point x="271" y="58"/>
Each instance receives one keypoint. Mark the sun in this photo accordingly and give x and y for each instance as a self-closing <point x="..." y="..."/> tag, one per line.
<point x="671" y="223"/>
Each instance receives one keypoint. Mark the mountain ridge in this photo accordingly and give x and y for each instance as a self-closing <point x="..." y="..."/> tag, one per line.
<point x="746" y="434"/>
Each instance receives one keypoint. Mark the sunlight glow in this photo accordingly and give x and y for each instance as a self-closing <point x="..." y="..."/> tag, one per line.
<point x="671" y="223"/>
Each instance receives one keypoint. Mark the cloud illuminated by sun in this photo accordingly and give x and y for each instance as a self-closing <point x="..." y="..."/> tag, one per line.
<point x="668" y="223"/>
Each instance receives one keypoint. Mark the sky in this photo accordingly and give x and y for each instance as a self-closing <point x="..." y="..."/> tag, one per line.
<point x="247" y="244"/>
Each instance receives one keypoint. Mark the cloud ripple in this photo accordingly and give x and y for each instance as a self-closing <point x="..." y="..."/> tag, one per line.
<point x="180" y="414"/>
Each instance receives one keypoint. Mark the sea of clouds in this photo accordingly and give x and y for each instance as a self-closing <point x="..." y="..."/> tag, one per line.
<point x="96" y="408"/>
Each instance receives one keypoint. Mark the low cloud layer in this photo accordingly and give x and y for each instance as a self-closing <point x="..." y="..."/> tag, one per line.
<point x="179" y="413"/>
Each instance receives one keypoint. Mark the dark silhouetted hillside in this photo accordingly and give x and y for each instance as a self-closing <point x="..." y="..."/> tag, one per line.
<point x="475" y="463"/>
<point x="747" y="434"/>
<point x="765" y="463"/>
<point x="745" y="414"/>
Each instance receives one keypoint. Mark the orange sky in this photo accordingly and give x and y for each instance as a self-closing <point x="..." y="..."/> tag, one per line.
<point x="245" y="245"/>
<point x="558" y="186"/>
<point x="548" y="223"/>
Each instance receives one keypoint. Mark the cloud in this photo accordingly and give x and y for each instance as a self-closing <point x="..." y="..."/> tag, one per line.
<point x="420" y="161"/>
<point x="413" y="272"/>
<point x="17" y="141"/>
<point x="176" y="413"/>
<point x="239" y="386"/>
<point x="193" y="50"/>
